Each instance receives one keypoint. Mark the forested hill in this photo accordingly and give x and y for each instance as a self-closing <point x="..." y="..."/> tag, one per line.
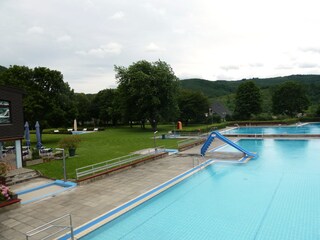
<point x="214" y="89"/>
<point x="2" y="68"/>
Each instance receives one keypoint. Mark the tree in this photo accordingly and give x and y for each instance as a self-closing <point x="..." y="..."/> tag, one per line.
<point x="289" y="98"/>
<point x="47" y="97"/>
<point x="193" y="106"/>
<point x="82" y="102"/>
<point x="248" y="100"/>
<point x="105" y="106"/>
<point x="148" y="91"/>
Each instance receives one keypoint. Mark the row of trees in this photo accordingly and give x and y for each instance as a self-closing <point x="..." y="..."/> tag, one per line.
<point x="47" y="98"/>
<point x="147" y="92"/>
<point x="288" y="99"/>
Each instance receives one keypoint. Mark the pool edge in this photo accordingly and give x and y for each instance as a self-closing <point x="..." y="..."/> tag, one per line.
<point x="106" y="217"/>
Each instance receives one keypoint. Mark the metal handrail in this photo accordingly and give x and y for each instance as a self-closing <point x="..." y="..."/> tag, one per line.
<point x="189" y="140"/>
<point x="196" y="160"/>
<point x="50" y="225"/>
<point x="98" y="167"/>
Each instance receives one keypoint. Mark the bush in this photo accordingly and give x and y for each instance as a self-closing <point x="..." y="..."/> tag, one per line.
<point x="70" y="142"/>
<point x="35" y="154"/>
<point x="5" y="193"/>
<point x="262" y="117"/>
<point x="4" y="168"/>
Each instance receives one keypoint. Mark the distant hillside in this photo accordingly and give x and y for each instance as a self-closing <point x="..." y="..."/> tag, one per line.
<point x="224" y="91"/>
<point x="210" y="88"/>
<point x="214" y="89"/>
<point x="2" y="68"/>
<point x="222" y="87"/>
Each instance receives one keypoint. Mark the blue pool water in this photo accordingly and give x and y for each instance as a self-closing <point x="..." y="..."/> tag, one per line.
<point x="313" y="128"/>
<point x="275" y="196"/>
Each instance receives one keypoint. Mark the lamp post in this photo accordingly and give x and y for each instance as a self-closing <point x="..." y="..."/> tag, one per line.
<point x="64" y="163"/>
<point x="206" y="115"/>
<point x="154" y="141"/>
<point x="211" y="114"/>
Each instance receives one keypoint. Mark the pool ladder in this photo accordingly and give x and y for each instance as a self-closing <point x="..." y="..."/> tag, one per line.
<point x="196" y="162"/>
<point x="54" y="224"/>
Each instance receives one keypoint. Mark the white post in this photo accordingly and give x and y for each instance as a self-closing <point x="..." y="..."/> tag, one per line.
<point x="154" y="141"/>
<point x="64" y="163"/>
<point x="18" y="153"/>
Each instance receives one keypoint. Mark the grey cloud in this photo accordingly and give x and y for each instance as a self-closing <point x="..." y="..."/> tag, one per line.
<point x="308" y="65"/>
<point x="84" y="39"/>
<point x="256" y="65"/>
<point x="118" y="15"/>
<point x="311" y="49"/>
<point x="224" y="77"/>
<point x="230" y="67"/>
<point x="284" y="67"/>
<point x="152" y="47"/>
<point x="35" y="30"/>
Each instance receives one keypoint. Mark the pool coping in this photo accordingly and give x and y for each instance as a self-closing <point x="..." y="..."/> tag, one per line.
<point x="104" y="218"/>
<point x="273" y="135"/>
<point x="66" y="186"/>
<point x="244" y="159"/>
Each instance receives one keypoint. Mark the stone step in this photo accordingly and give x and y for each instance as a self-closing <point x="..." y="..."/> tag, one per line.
<point x="20" y="175"/>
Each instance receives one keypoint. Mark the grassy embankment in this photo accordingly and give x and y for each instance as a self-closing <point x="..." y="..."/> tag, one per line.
<point x="101" y="146"/>
<point x="111" y="143"/>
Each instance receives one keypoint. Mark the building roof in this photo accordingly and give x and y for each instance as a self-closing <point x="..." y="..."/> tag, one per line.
<point x="220" y="109"/>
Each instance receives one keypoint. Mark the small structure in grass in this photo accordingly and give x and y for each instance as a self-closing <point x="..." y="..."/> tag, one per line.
<point x="71" y="143"/>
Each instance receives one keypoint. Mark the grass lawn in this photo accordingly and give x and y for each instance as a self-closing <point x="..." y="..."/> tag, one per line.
<point x="101" y="146"/>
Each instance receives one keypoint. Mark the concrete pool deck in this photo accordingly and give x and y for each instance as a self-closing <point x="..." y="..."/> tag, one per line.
<point x="89" y="201"/>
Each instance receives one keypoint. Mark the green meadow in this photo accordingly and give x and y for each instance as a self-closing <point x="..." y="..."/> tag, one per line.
<point x="102" y="146"/>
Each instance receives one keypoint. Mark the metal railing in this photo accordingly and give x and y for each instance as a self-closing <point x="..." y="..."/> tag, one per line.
<point x="189" y="141"/>
<point x="51" y="225"/>
<point x="189" y="133"/>
<point x="113" y="163"/>
<point x="196" y="162"/>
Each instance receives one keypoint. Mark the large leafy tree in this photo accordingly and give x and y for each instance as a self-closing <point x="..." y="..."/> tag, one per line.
<point x="82" y="102"/>
<point x="289" y="98"/>
<point x="248" y="100"/>
<point x="47" y="97"/>
<point x="105" y="106"/>
<point x="193" y="106"/>
<point x="148" y="91"/>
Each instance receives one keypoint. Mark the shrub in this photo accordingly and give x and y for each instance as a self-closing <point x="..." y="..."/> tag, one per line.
<point x="5" y="193"/>
<point x="70" y="142"/>
<point x="35" y="154"/>
<point x="4" y="168"/>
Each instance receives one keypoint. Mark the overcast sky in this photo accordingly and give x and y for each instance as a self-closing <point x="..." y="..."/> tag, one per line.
<point x="210" y="39"/>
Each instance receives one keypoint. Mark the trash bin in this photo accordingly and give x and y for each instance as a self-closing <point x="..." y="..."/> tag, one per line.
<point x="163" y="136"/>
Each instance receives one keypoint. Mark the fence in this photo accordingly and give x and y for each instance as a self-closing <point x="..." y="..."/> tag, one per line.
<point x="114" y="163"/>
<point x="190" y="142"/>
<point x="53" y="225"/>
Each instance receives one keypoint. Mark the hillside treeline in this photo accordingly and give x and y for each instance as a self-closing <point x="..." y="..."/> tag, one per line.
<point x="151" y="93"/>
<point x="225" y="91"/>
<point x="146" y="93"/>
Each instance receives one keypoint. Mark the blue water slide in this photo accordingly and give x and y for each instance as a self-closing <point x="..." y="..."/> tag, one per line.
<point x="218" y="135"/>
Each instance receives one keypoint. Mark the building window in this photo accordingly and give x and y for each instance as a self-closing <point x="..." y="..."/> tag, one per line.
<point x="5" y="112"/>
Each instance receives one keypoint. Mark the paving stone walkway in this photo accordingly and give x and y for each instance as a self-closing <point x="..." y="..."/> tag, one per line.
<point x="89" y="201"/>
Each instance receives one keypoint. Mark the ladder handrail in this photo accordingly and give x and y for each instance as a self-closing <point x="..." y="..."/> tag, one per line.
<point x="50" y="225"/>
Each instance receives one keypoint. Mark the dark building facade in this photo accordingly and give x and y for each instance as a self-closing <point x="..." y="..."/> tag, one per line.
<point x="11" y="125"/>
<point x="11" y="114"/>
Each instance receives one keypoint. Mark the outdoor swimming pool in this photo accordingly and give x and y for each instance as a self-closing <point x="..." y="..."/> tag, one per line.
<point x="276" y="196"/>
<point x="312" y="128"/>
